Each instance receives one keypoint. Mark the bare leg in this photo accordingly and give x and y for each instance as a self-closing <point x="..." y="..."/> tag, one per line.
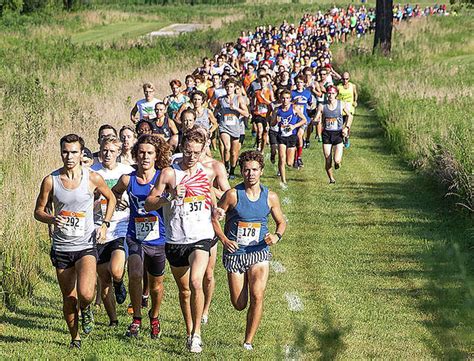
<point x="135" y="276"/>
<point x="257" y="282"/>
<point x="117" y="265"/>
<point x="106" y="290"/>
<point x="86" y="273"/>
<point x="198" y="261"/>
<point x="209" y="281"/>
<point x="282" y="161"/>
<point x="156" y="294"/>
<point x="234" y="155"/>
<point x="67" y="284"/>
<point x="225" y="139"/>
<point x="327" y="150"/>
<point x="238" y="290"/>
<point x="181" y="276"/>
<point x="339" y="148"/>
<point x="290" y="156"/>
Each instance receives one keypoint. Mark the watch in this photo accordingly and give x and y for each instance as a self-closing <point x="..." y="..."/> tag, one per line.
<point x="279" y="236"/>
<point x="167" y="196"/>
<point x="107" y="223"/>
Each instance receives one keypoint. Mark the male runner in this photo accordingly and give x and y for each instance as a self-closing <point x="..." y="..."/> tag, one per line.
<point x="111" y="251"/>
<point x="247" y="239"/>
<point x="189" y="230"/>
<point x="288" y="118"/>
<point x="347" y="93"/>
<point x="145" y="107"/>
<point x="146" y="230"/>
<point x="334" y="129"/>
<point x="70" y="191"/>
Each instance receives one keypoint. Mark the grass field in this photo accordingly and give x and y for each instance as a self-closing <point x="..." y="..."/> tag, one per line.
<point x="376" y="261"/>
<point x="381" y="263"/>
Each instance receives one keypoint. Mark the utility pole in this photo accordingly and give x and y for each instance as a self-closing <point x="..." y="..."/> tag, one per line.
<point x="383" y="27"/>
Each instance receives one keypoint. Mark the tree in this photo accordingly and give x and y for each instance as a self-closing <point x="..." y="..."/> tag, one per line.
<point x="383" y="26"/>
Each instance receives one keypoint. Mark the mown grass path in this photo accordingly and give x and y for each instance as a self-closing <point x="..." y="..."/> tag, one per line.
<point x="371" y="259"/>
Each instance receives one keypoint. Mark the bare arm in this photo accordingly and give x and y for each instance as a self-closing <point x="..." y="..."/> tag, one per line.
<point x="221" y="181"/>
<point x="300" y="115"/>
<point x="102" y="188"/>
<point x="356" y="96"/>
<point x="133" y="114"/>
<point x="213" y="121"/>
<point x="172" y="126"/>
<point x="46" y="190"/>
<point x="242" y="108"/>
<point x="319" y="113"/>
<point x="277" y="215"/>
<point x="228" y="201"/>
<point x="155" y="201"/>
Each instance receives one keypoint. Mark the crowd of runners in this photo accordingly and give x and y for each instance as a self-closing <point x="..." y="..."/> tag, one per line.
<point x="153" y="192"/>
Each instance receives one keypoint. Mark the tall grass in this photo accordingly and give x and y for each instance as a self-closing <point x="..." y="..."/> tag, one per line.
<point x="424" y="94"/>
<point x="51" y="86"/>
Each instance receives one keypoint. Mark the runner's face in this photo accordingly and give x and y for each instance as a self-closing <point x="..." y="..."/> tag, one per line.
<point x="160" y="110"/>
<point x="146" y="156"/>
<point x="144" y="129"/>
<point x="188" y="120"/>
<point x="191" y="153"/>
<point x="128" y="139"/>
<point x="175" y="89"/>
<point x="300" y="84"/>
<point x="71" y="154"/>
<point x="197" y="100"/>
<point x="149" y="93"/>
<point x="286" y="99"/>
<point x="105" y="133"/>
<point x="251" y="172"/>
<point x="230" y="88"/>
<point x="109" y="154"/>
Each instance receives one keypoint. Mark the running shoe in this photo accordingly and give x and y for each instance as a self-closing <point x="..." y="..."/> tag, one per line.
<point x="300" y="163"/>
<point x="113" y="323"/>
<point x="337" y="165"/>
<point x="144" y="301"/>
<point x="120" y="292"/>
<point x="347" y="142"/>
<point x="332" y="181"/>
<point x="307" y="144"/>
<point x="254" y="134"/>
<point x="196" y="344"/>
<point x="87" y="320"/>
<point x="272" y="158"/>
<point x="248" y="346"/>
<point x="155" y="328"/>
<point x="204" y="319"/>
<point x="130" y="309"/>
<point x="134" y="328"/>
<point x="75" y="344"/>
<point x="319" y="139"/>
<point x="304" y="144"/>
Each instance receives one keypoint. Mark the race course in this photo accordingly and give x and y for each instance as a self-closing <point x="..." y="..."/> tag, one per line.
<point x="368" y="268"/>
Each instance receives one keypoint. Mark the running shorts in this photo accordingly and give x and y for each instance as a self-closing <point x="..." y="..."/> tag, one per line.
<point x="333" y="137"/>
<point x="178" y="254"/>
<point x="153" y="257"/>
<point x="241" y="263"/>
<point x="104" y="251"/>
<point x="273" y="135"/>
<point x="65" y="260"/>
<point x="290" y="141"/>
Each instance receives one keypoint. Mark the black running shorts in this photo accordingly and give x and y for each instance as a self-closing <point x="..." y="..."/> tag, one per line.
<point x="178" y="254"/>
<point x="290" y="141"/>
<point x="153" y="257"/>
<point x="104" y="251"/>
<point x="65" y="260"/>
<point x="333" y="137"/>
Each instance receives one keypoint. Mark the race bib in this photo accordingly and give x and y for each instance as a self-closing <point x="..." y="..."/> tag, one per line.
<point x="75" y="225"/>
<point x="230" y="119"/>
<point x="248" y="233"/>
<point x="194" y="207"/>
<point x="262" y="109"/>
<point x="286" y="131"/>
<point x="147" y="228"/>
<point x="331" y="123"/>
<point x="103" y="206"/>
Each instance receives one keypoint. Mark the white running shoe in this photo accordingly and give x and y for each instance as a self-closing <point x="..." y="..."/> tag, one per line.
<point x="248" y="346"/>
<point x="196" y="344"/>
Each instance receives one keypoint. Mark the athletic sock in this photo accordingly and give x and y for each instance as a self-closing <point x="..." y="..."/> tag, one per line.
<point x="299" y="152"/>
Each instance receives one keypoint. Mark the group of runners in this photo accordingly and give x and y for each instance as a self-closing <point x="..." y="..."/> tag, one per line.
<point x="153" y="192"/>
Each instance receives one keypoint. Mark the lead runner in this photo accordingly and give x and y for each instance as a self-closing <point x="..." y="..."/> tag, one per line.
<point x="247" y="241"/>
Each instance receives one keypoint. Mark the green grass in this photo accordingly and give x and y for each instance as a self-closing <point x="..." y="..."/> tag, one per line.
<point x="117" y="31"/>
<point x="382" y="269"/>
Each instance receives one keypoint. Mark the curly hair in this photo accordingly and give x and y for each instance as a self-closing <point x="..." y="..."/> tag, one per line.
<point x="194" y="135"/>
<point x="162" y="149"/>
<point x="251" y="155"/>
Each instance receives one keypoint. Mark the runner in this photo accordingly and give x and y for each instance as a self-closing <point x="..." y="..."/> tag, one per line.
<point x="146" y="230"/>
<point x="144" y="126"/>
<point x="111" y="251"/>
<point x="288" y="118"/>
<point x="145" y="107"/>
<point x="334" y="129"/>
<point x="165" y="126"/>
<point x="69" y="190"/>
<point x="247" y="239"/>
<point x="175" y="100"/>
<point x="261" y="107"/>
<point x="189" y="230"/>
<point x="104" y="131"/>
<point x="348" y="94"/>
<point x="128" y="138"/>
<point x="230" y="108"/>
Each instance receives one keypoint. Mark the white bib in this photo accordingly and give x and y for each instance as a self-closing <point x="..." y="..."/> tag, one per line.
<point x="230" y="119"/>
<point x="194" y="207"/>
<point x="248" y="233"/>
<point x="75" y="225"/>
<point x="147" y="228"/>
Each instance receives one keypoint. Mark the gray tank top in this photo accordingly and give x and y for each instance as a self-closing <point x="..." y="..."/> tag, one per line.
<point x="77" y="205"/>
<point x="203" y="119"/>
<point x="229" y="120"/>
<point x="333" y="118"/>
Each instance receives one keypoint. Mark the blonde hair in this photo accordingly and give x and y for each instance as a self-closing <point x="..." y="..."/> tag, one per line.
<point x="110" y="139"/>
<point x="148" y="85"/>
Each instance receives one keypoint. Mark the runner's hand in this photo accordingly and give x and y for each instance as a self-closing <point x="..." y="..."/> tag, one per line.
<point x="122" y="204"/>
<point x="271" y="239"/>
<point x="60" y="221"/>
<point x="101" y="232"/>
<point x="344" y="132"/>
<point x="218" y="213"/>
<point x="229" y="245"/>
